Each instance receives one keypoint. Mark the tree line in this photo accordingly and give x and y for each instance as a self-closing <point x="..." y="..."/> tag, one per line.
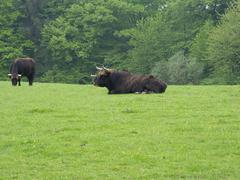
<point x="181" y="42"/>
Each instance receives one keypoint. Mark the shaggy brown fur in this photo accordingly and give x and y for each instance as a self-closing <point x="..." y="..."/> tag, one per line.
<point x="118" y="82"/>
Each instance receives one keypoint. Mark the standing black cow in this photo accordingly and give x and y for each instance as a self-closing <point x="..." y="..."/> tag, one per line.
<point x="22" y="67"/>
<point x="119" y="82"/>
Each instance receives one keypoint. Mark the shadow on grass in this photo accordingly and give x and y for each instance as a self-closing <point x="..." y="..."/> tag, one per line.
<point x="40" y="111"/>
<point x="130" y="111"/>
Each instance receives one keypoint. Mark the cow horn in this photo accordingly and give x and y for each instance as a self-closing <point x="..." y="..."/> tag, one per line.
<point x="106" y="69"/>
<point x="19" y="75"/>
<point x="92" y="75"/>
<point x="98" y="68"/>
<point x="9" y="74"/>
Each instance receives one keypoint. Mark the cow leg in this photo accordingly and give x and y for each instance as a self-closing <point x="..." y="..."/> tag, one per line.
<point x="112" y="92"/>
<point x="150" y="92"/>
<point x="152" y="88"/>
<point x="147" y="91"/>
<point x="30" y="80"/>
<point x="115" y="92"/>
<point x="19" y="82"/>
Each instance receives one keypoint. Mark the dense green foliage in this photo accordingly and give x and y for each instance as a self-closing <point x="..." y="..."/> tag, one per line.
<point x="68" y="38"/>
<point x="182" y="134"/>
<point x="13" y="43"/>
<point x="224" y="48"/>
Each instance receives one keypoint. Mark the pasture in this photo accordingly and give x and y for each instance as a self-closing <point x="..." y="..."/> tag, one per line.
<point x="59" y="131"/>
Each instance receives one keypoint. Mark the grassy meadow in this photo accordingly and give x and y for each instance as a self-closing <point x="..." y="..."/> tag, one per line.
<point x="59" y="131"/>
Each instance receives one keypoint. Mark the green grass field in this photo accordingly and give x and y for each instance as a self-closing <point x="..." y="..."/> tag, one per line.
<point x="59" y="131"/>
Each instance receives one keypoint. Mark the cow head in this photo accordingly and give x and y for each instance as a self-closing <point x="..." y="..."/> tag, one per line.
<point x="102" y="79"/>
<point x="14" y="78"/>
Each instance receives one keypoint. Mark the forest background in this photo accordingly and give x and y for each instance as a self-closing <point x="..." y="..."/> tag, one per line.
<point x="181" y="42"/>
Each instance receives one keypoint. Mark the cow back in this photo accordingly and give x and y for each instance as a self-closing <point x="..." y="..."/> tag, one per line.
<point x="23" y="66"/>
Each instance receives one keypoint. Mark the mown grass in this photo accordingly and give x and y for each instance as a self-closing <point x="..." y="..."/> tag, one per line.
<point x="58" y="131"/>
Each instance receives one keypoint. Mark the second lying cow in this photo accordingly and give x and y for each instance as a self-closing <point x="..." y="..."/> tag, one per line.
<point x="120" y="82"/>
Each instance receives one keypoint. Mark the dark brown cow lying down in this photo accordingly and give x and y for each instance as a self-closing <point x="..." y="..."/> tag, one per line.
<point x="119" y="82"/>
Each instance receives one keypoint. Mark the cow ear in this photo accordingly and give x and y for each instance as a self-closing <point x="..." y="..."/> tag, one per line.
<point x="9" y="75"/>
